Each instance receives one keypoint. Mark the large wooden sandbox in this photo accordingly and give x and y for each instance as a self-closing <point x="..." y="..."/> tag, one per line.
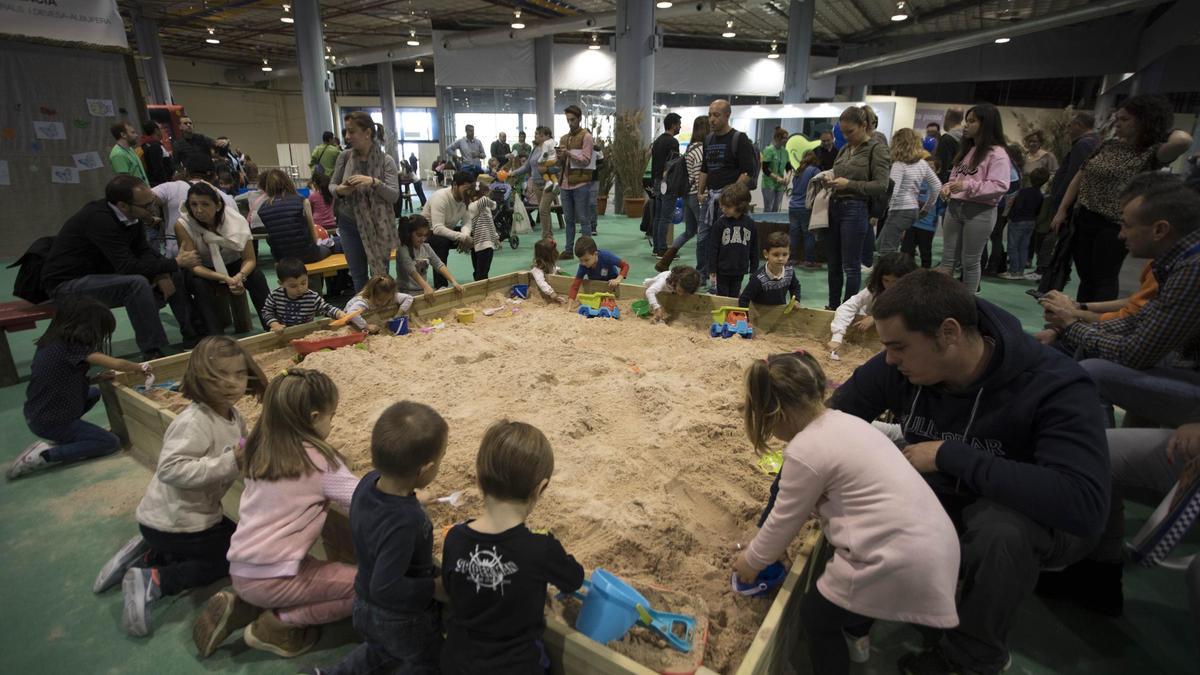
<point x="654" y="478"/>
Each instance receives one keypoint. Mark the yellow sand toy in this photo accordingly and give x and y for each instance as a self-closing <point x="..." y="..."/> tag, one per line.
<point x="602" y="305"/>
<point x="729" y="321"/>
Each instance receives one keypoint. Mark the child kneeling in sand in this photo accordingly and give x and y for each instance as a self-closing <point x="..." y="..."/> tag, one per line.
<point x="680" y="280"/>
<point x="379" y="292"/>
<point x="495" y="570"/>
<point x="886" y="271"/>
<point x="896" y="553"/>
<point x="397" y="589"/>
<point x="545" y="261"/>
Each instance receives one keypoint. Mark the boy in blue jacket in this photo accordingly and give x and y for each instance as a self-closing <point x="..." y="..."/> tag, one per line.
<point x="1007" y="433"/>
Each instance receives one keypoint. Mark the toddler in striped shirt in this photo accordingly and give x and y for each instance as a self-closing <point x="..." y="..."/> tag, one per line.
<point x="292" y="303"/>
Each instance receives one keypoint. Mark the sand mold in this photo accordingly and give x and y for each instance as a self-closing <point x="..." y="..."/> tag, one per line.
<point x="654" y="478"/>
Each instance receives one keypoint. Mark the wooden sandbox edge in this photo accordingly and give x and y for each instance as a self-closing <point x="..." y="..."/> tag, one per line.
<point x="142" y="423"/>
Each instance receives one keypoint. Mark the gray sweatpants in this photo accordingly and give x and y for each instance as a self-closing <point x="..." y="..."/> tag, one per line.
<point x="965" y="232"/>
<point x="1141" y="472"/>
<point x="894" y="227"/>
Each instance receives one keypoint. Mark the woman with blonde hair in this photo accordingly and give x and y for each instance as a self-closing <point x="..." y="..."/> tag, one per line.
<point x="907" y="174"/>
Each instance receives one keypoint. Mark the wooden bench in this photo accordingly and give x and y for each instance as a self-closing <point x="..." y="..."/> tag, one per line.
<point x="15" y="316"/>
<point x="331" y="266"/>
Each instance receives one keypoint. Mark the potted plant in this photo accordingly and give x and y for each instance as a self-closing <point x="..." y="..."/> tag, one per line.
<point x="605" y="177"/>
<point x="628" y="155"/>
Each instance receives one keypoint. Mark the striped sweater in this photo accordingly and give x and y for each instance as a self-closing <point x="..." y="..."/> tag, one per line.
<point x="279" y="308"/>
<point x="908" y="179"/>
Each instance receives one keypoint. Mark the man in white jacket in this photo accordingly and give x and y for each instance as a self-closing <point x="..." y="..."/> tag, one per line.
<point x="446" y="212"/>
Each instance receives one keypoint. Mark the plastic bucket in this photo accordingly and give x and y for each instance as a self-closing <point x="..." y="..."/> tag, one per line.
<point x="398" y="325"/>
<point x="771" y="576"/>
<point x="641" y="307"/>
<point x="609" y="608"/>
<point x="465" y="315"/>
<point x="519" y="291"/>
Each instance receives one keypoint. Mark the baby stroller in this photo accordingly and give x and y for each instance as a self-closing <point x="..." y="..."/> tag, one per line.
<point x="502" y="194"/>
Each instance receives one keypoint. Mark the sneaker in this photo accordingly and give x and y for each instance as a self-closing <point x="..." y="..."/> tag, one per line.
<point x="141" y="588"/>
<point x="1011" y="276"/>
<point x="224" y="613"/>
<point x="934" y="662"/>
<point x="1033" y="276"/>
<point x="566" y="255"/>
<point x="30" y="460"/>
<point x="271" y="634"/>
<point x="114" y="569"/>
<point x="860" y="647"/>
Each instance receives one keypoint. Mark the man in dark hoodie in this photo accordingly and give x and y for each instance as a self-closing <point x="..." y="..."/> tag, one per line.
<point x="1008" y="436"/>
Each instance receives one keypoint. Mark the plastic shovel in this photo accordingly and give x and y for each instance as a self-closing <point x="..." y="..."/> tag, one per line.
<point x="454" y="499"/>
<point x="346" y="318"/>
<point x="664" y="623"/>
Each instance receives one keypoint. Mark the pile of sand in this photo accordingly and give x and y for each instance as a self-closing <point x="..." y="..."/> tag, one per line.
<point x="654" y="478"/>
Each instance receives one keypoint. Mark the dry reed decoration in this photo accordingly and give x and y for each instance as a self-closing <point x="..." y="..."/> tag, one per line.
<point x="628" y="152"/>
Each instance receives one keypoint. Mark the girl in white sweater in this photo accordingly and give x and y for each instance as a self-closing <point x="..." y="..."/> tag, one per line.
<point x="887" y="270"/>
<point x="680" y="280"/>
<point x="545" y="261"/>
<point x="184" y="535"/>
<point x="379" y="292"/>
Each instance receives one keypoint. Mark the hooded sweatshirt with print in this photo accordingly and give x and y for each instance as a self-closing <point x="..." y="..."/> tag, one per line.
<point x="1028" y="434"/>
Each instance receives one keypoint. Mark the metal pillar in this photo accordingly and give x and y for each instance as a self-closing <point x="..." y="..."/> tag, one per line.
<point x="154" y="68"/>
<point x="799" y="43"/>
<point x="635" y="61"/>
<point x="310" y="55"/>
<point x="858" y="92"/>
<point x="387" y="104"/>
<point x="543" y="80"/>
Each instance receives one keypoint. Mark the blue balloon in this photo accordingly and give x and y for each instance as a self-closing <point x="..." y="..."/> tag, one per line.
<point x="929" y="143"/>
<point x="677" y="215"/>
<point x="838" y="139"/>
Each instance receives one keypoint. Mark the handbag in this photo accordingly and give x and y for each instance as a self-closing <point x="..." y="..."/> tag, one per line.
<point x="877" y="207"/>
<point x="1169" y="523"/>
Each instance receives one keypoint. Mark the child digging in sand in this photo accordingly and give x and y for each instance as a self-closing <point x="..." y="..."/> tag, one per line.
<point x="681" y="280"/>
<point x="379" y="292"/>
<point x="895" y="550"/>
<point x="495" y="570"/>
<point x="545" y="261"/>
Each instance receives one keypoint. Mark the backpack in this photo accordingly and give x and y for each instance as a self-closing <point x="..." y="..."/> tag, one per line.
<point x="676" y="175"/>
<point x="28" y="285"/>
<point x="752" y="176"/>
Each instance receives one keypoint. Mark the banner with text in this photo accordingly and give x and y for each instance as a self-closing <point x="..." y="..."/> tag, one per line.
<point x="94" y="22"/>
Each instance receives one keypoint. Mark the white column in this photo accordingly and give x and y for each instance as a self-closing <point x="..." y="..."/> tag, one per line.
<point x="310" y="56"/>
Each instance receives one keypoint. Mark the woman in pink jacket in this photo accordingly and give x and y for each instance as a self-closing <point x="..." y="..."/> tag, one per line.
<point x="977" y="182"/>
<point x="895" y="549"/>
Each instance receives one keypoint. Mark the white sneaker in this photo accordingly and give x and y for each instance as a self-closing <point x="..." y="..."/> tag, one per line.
<point x="115" y="568"/>
<point x="1010" y="276"/>
<point x="1033" y="276"/>
<point x="860" y="648"/>
<point x="30" y="460"/>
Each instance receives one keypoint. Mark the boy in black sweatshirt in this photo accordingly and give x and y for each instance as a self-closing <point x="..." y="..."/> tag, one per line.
<point x="1007" y="433"/>
<point x="774" y="280"/>
<point x="733" y="246"/>
<point x="397" y="588"/>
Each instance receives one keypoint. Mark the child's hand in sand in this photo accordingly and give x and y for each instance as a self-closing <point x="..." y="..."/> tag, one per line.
<point x="372" y="328"/>
<point x="659" y="315"/>
<point x="458" y="287"/>
<point x="834" y="345"/>
<point x="745" y="573"/>
<point x="865" y="323"/>
<point x="560" y="299"/>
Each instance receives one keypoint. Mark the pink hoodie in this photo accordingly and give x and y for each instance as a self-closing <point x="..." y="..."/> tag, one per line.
<point x="895" y="549"/>
<point x="986" y="183"/>
<point x="279" y="520"/>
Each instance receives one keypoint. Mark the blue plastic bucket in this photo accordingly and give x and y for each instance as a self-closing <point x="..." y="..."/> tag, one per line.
<point x="398" y="325"/>
<point x="519" y="291"/>
<point x="609" y="608"/>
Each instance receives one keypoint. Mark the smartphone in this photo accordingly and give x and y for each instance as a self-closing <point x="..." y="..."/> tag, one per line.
<point x="1035" y="294"/>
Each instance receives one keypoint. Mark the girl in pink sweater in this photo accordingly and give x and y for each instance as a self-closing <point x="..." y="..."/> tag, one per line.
<point x="977" y="182"/>
<point x="895" y="549"/>
<point x="292" y="475"/>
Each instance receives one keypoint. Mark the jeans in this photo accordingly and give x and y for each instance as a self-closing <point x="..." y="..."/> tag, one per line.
<point x="579" y="204"/>
<point x="691" y="219"/>
<point x="141" y="301"/>
<point x="481" y="263"/>
<point x="1020" y="234"/>
<point x="356" y="255"/>
<point x="868" y="246"/>
<point x="442" y="246"/>
<point x="847" y="228"/>
<point x="79" y="439"/>
<point x="797" y="230"/>
<point x="1098" y="254"/>
<point x="186" y="560"/>
<point x="1003" y="552"/>
<point x="321" y="592"/>
<point x="708" y="215"/>
<point x="917" y="239"/>
<point x="729" y="285"/>
<point x="894" y="227"/>
<point x="393" y="642"/>
<point x="824" y="623"/>
<point x="966" y="230"/>
<point x="772" y="199"/>
<point x="663" y="213"/>
<point x="205" y="293"/>
<point x="1164" y="395"/>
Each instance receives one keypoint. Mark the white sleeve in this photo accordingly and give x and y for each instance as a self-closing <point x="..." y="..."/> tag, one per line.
<point x="404" y="301"/>
<point x="185" y="462"/>
<point x="654" y="287"/>
<point x="356" y="303"/>
<point x="846" y="313"/>
<point x="539" y="278"/>
<point x="438" y="215"/>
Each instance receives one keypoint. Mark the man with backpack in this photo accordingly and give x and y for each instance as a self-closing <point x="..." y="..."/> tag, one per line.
<point x="729" y="157"/>
<point x="664" y="149"/>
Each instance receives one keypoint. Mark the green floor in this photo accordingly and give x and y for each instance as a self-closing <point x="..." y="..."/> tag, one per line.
<point x="60" y="526"/>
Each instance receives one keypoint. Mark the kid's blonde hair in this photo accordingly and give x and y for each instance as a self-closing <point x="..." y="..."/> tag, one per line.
<point x="778" y="385"/>
<point x="545" y="255"/>
<point x="514" y="458"/>
<point x="380" y="287"/>
<point x="906" y="146"/>
<point x="275" y="448"/>
<point x="202" y="377"/>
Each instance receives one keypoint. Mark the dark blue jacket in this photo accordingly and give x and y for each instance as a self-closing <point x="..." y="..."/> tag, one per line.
<point x="288" y="233"/>
<point x="1028" y="435"/>
<point x="733" y="246"/>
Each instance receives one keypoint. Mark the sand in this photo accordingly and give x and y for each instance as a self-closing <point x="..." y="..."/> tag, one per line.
<point x="654" y="479"/>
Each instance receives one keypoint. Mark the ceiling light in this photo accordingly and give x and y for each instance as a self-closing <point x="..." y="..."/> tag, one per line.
<point x="212" y="37"/>
<point x="1003" y="41"/>
<point x="412" y="39"/>
<point x="266" y="67"/>
<point x="901" y="12"/>
<point x="595" y="43"/>
<point x="419" y="68"/>
<point x="774" y="51"/>
<point x="328" y="49"/>
<point x="517" y="23"/>
<point x="664" y="5"/>
<point x="607" y="96"/>
<point x="728" y="30"/>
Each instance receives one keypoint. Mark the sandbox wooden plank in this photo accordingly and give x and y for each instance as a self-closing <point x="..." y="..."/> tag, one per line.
<point x="574" y="653"/>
